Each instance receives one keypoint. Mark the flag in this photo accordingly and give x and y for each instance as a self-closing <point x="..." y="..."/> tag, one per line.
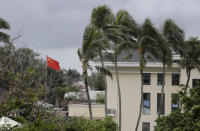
<point x="53" y="64"/>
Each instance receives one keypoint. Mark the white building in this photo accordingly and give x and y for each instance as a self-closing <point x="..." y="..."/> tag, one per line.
<point x="130" y="85"/>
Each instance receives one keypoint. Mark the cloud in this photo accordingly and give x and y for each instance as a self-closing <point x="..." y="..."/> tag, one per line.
<point x="56" y="26"/>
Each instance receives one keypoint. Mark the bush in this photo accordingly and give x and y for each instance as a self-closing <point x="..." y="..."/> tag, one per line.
<point x="100" y="98"/>
<point x="80" y="124"/>
<point x="186" y="120"/>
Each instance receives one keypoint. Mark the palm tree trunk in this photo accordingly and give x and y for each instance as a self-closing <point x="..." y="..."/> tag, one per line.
<point x="118" y="86"/>
<point x="162" y="92"/>
<point x="141" y="101"/>
<point x="87" y="92"/>
<point x="188" y="72"/>
<point x="104" y="78"/>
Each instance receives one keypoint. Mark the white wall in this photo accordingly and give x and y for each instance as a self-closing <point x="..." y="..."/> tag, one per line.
<point x="130" y="94"/>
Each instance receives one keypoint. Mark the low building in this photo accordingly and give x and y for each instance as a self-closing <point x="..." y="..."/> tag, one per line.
<point x="81" y="110"/>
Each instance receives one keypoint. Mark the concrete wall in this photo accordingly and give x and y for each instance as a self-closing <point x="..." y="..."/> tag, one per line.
<point x="130" y="85"/>
<point x="194" y="75"/>
<point x="81" y="110"/>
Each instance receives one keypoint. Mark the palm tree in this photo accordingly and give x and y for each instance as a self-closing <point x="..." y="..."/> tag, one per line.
<point x="106" y="23"/>
<point x="144" y="44"/>
<point x="141" y="38"/>
<point x="85" y="54"/>
<point x="190" y="58"/>
<point x="164" y="54"/>
<point x="101" y="18"/>
<point x="91" y="43"/>
<point x="170" y="33"/>
<point x="116" y="37"/>
<point x="3" y="36"/>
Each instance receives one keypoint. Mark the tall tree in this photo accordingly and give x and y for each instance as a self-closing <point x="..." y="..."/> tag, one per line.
<point x="4" y="26"/>
<point x="86" y="53"/>
<point x="101" y="18"/>
<point x="164" y="55"/>
<point x="141" y="38"/>
<point x="116" y="37"/>
<point x="190" y="58"/>
<point x="170" y="34"/>
<point x="96" y="81"/>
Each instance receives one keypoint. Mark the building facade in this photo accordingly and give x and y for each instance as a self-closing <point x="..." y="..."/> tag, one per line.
<point x="130" y="85"/>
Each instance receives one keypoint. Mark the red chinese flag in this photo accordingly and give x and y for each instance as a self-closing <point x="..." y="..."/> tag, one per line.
<point x="53" y="64"/>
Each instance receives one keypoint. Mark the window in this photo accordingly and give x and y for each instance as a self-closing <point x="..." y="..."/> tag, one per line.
<point x="145" y="126"/>
<point x="195" y="82"/>
<point x="146" y="104"/>
<point x="175" y="103"/>
<point x="158" y="104"/>
<point x="175" y="79"/>
<point x="111" y="111"/>
<point x="146" y="78"/>
<point x="159" y="79"/>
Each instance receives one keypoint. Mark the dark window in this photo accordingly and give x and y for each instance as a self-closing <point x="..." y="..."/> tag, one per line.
<point x="111" y="111"/>
<point x="175" y="79"/>
<point x="158" y="104"/>
<point x="145" y="126"/>
<point x="195" y="82"/>
<point x="175" y="103"/>
<point x="176" y="61"/>
<point x="146" y="104"/>
<point x="159" y="78"/>
<point x="146" y="78"/>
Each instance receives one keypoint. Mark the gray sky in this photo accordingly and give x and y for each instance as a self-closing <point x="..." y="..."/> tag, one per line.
<point x="55" y="27"/>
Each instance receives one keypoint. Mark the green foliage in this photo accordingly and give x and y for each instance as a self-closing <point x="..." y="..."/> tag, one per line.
<point x="96" y="81"/>
<point x="188" y="119"/>
<point x="80" y="124"/>
<point x="100" y="98"/>
<point x="41" y="123"/>
<point x="5" y="26"/>
<point x="59" y="93"/>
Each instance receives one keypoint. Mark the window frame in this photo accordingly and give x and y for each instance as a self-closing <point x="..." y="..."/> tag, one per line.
<point x="174" y="83"/>
<point x="195" y="84"/>
<point x="172" y="108"/>
<point x="148" y="100"/>
<point x="158" y="79"/>
<point x="149" y="79"/>
<point x="148" y="126"/>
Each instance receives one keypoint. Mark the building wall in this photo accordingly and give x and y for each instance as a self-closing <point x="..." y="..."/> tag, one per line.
<point x="81" y="110"/>
<point x="194" y="75"/>
<point x="130" y="85"/>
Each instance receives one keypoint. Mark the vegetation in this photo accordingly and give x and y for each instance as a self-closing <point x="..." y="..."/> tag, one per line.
<point x="96" y="81"/>
<point x="186" y="120"/>
<point x="100" y="98"/>
<point x="101" y="18"/>
<point x="81" y="124"/>
<point x="107" y="36"/>
<point x="190" y="57"/>
<point x="4" y="26"/>
<point x="164" y="53"/>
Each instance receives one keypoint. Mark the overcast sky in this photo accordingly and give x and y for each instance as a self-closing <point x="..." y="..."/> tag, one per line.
<point x="55" y="27"/>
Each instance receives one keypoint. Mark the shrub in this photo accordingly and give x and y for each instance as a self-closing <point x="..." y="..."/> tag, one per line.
<point x="100" y="98"/>
<point x="80" y="124"/>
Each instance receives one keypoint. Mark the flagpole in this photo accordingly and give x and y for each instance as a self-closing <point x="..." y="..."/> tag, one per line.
<point x="45" y="96"/>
